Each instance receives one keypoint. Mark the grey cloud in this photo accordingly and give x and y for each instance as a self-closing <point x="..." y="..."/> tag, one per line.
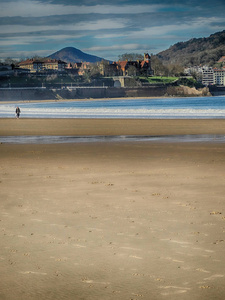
<point x="7" y="1"/>
<point x="50" y="20"/>
<point x="72" y="33"/>
<point x="125" y="2"/>
<point x="134" y="20"/>
<point x="41" y="33"/>
<point x="216" y="24"/>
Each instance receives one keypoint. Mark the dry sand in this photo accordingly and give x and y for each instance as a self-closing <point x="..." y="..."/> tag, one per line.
<point x="134" y="220"/>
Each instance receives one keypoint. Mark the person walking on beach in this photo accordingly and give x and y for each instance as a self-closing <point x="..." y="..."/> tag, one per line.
<point x="17" y="112"/>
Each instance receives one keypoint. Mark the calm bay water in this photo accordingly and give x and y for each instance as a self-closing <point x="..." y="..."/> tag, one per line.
<point x="168" y="108"/>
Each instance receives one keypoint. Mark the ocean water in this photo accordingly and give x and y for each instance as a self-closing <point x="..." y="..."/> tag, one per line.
<point x="165" y="108"/>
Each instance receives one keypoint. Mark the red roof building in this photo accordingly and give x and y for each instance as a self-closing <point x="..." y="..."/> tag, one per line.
<point x="143" y="66"/>
<point x="43" y="64"/>
<point x="222" y="60"/>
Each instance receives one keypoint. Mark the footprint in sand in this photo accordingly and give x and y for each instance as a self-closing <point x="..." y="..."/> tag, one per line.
<point x="174" y="290"/>
<point x="13" y="251"/>
<point x="31" y="272"/>
<point x="214" y="276"/>
<point x="218" y="241"/>
<point x="137" y="257"/>
<point x="138" y="295"/>
<point x="202" y="270"/>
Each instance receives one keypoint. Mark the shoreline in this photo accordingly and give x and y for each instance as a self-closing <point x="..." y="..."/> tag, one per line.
<point x="102" y="99"/>
<point x="88" y="99"/>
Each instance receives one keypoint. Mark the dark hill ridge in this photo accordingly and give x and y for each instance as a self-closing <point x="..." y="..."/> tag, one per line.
<point x="73" y="55"/>
<point x="201" y="51"/>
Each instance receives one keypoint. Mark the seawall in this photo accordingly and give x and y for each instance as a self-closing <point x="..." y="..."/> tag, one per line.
<point x="26" y="94"/>
<point x="32" y="94"/>
<point x="217" y="90"/>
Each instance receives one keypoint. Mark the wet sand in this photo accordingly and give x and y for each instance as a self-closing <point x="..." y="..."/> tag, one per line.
<point x="115" y="220"/>
<point x="85" y="127"/>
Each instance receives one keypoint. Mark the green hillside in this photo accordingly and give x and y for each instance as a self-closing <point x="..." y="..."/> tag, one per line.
<point x="201" y="51"/>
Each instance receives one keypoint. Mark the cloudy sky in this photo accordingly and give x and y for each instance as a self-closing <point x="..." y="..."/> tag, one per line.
<point x="104" y="28"/>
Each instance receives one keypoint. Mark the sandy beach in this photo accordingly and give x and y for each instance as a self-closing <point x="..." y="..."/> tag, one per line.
<point x="121" y="220"/>
<point x="88" y="127"/>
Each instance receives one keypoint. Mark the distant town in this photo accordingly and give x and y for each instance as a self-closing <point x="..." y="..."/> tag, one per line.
<point x="132" y="68"/>
<point x="133" y="75"/>
<point x="47" y="66"/>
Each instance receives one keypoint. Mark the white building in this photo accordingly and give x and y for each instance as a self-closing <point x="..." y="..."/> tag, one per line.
<point x="219" y="76"/>
<point x="194" y="69"/>
<point x="208" y="76"/>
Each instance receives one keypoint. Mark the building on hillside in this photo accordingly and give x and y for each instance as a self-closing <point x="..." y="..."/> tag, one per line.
<point x="77" y="65"/>
<point x="212" y="76"/>
<point x="127" y="67"/>
<point x="39" y="65"/>
<point x="208" y="76"/>
<point x="78" y="68"/>
<point x="70" y="69"/>
<point x="136" y="67"/>
<point x="69" y="66"/>
<point x="73" y="66"/>
<point x="146" y="66"/>
<point x="27" y="64"/>
<point x="222" y="60"/>
<point x="83" y="67"/>
<point x="219" y="76"/>
<point x="195" y="70"/>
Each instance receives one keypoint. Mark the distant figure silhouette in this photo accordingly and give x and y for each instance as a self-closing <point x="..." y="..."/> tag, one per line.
<point x="17" y="112"/>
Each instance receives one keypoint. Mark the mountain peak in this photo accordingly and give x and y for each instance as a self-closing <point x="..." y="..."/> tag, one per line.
<point x="73" y="55"/>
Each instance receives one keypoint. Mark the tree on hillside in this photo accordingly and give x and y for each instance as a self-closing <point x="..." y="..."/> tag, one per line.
<point x="10" y="61"/>
<point x="106" y="69"/>
<point x="201" y="51"/>
<point x="175" y="70"/>
<point x="165" y="70"/>
<point x="158" y="67"/>
<point x="132" y="71"/>
<point x="131" y="57"/>
<point x="92" y="72"/>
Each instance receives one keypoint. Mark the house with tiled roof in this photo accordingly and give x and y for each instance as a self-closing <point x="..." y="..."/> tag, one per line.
<point x="136" y="66"/>
<point x="127" y="67"/>
<point x="78" y="68"/>
<point x="43" y="64"/>
<point x="222" y="60"/>
<point x="27" y="64"/>
<point x="83" y="67"/>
